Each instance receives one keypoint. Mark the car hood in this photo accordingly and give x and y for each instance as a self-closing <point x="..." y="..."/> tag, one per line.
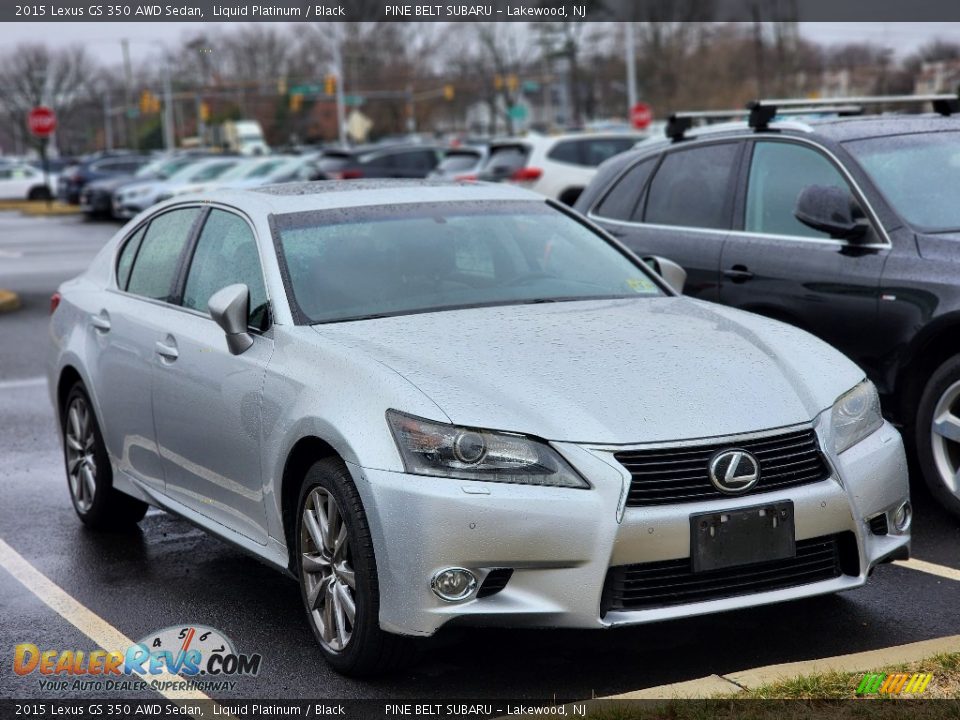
<point x="612" y="372"/>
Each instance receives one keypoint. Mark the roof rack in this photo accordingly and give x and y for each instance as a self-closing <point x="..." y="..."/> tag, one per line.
<point x="760" y="113"/>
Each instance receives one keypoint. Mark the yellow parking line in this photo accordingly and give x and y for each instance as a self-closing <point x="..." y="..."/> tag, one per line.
<point x="85" y="620"/>
<point x="933" y="569"/>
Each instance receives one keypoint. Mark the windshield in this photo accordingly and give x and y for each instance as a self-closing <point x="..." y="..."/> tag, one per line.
<point x="918" y="174"/>
<point x="403" y="259"/>
<point x="209" y="172"/>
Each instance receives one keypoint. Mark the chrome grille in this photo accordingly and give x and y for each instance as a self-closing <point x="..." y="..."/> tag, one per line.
<point x="664" y="476"/>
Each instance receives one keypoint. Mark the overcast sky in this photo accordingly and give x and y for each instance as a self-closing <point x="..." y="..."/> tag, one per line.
<point x="103" y="39"/>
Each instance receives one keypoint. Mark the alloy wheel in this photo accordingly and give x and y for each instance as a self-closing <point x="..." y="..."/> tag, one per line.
<point x="945" y="438"/>
<point x="327" y="567"/>
<point x="81" y="460"/>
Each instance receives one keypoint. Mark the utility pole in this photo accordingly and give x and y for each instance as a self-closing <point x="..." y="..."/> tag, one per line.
<point x="630" y="43"/>
<point x="107" y="122"/>
<point x="128" y="108"/>
<point x="169" y="135"/>
<point x="338" y="73"/>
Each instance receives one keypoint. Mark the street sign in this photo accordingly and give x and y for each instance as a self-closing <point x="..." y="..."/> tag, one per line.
<point x="641" y="115"/>
<point x="41" y="121"/>
<point x="517" y="112"/>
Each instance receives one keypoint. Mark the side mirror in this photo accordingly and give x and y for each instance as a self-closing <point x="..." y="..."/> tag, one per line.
<point x="830" y="210"/>
<point x="674" y="275"/>
<point x="230" y="308"/>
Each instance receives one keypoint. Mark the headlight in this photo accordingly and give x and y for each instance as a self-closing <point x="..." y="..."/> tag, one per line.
<point x="441" y="450"/>
<point x="855" y="415"/>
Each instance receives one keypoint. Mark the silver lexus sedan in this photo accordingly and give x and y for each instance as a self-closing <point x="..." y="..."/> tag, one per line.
<point x="437" y="402"/>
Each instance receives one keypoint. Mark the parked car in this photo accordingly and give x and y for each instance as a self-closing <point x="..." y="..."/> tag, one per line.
<point x="248" y="172"/>
<point x="132" y="199"/>
<point x="461" y="163"/>
<point x="22" y="181"/>
<point x="558" y="166"/>
<point x="96" y="198"/>
<point x="74" y="178"/>
<point x="374" y="161"/>
<point x="457" y="402"/>
<point x="846" y="227"/>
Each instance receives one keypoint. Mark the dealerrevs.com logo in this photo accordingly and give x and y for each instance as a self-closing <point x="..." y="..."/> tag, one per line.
<point x="204" y="658"/>
<point x="894" y="684"/>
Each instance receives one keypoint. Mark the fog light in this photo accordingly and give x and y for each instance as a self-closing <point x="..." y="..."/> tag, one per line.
<point x="454" y="584"/>
<point x="903" y="517"/>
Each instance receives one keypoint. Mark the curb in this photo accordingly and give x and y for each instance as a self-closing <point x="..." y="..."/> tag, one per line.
<point x="736" y="682"/>
<point x="9" y="301"/>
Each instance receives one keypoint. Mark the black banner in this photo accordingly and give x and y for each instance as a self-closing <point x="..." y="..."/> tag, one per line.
<point x="479" y="709"/>
<point x="492" y="11"/>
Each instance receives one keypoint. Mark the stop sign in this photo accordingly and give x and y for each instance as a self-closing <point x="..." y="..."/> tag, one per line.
<point x="41" y="121"/>
<point x="641" y="116"/>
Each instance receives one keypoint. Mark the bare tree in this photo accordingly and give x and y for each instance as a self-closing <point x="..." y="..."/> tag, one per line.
<point x="33" y="74"/>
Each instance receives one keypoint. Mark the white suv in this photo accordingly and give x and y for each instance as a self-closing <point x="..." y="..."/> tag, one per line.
<point x="558" y="166"/>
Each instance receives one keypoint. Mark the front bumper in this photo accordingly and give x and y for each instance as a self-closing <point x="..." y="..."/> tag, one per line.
<point x="562" y="542"/>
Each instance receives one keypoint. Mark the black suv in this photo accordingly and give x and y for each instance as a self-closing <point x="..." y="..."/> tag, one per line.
<point x="848" y="227"/>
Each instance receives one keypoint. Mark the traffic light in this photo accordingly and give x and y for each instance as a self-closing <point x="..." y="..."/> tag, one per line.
<point x="330" y="84"/>
<point x="448" y="92"/>
<point x="498" y="81"/>
<point x="204" y="112"/>
<point x="513" y="82"/>
<point x="149" y="103"/>
<point x="296" y="102"/>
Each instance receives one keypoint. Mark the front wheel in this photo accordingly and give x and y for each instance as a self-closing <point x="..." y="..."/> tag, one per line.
<point x="89" y="475"/>
<point x="338" y="575"/>
<point x="937" y="434"/>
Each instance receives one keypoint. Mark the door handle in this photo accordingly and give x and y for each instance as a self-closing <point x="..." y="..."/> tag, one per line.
<point x="738" y="274"/>
<point x="168" y="352"/>
<point x="101" y="322"/>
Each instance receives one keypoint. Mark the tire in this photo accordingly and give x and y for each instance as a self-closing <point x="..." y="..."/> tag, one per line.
<point x="89" y="475"/>
<point x="938" y="439"/>
<point x="358" y="648"/>
<point x="39" y="192"/>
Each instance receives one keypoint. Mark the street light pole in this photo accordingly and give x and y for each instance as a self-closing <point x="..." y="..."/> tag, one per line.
<point x="631" y="60"/>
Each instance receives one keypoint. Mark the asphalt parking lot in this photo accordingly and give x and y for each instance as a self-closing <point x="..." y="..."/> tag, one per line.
<point x="168" y="573"/>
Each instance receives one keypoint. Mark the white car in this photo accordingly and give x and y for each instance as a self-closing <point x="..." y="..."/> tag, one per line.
<point x="25" y="182"/>
<point x="128" y="201"/>
<point x="558" y="166"/>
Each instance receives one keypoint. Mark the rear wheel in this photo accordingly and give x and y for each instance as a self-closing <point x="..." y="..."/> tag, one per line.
<point x="89" y="476"/>
<point x="937" y="434"/>
<point x="338" y="575"/>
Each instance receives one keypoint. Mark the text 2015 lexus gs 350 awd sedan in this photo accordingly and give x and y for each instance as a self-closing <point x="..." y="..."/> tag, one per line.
<point x="437" y="403"/>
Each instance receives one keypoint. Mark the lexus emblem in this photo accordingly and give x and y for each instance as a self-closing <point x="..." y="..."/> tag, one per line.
<point x="734" y="471"/>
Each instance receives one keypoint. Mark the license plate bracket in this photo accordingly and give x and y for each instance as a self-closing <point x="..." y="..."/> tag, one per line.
<point x="743" y="536"/>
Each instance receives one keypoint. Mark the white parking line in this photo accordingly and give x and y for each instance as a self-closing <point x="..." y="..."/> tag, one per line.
<point x="933" y="569"/>
<point x="22" y="382"/>
<point x="86" y="621"/>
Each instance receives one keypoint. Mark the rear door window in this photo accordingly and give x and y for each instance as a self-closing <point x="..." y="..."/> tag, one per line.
<point x="693" y="188"/>
<point x="127" y="254"/>
<point x="622" y="202"/>
<point x="155" y="267"/>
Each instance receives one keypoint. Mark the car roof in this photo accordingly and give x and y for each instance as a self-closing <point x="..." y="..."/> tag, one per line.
<point x="333" y="194"/>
